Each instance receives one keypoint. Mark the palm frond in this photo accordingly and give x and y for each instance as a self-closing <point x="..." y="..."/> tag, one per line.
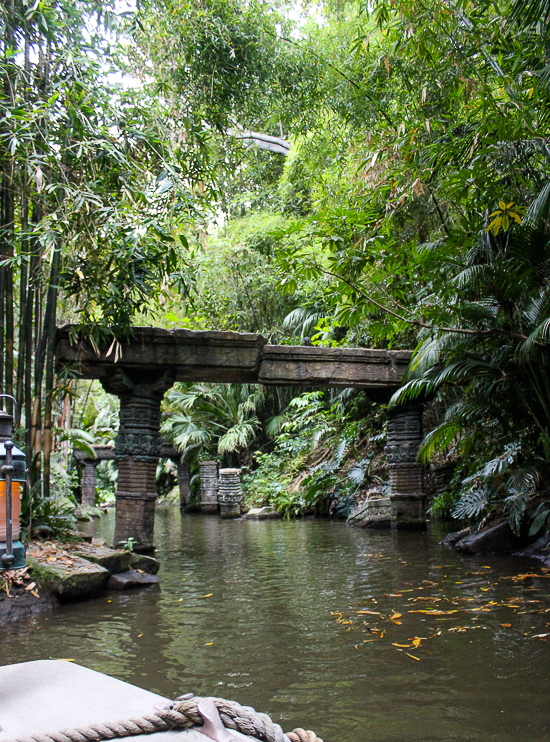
<point x="539" y="210"/>
<point x="471" y="504"/>
<point x="438" y="439"/>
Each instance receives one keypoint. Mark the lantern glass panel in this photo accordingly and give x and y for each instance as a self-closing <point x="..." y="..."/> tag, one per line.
<point x="16" y="510"/>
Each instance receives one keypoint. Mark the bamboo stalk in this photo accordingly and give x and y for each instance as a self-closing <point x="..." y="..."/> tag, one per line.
<point x="23" y="279"/>
<point x="48" y="367"/>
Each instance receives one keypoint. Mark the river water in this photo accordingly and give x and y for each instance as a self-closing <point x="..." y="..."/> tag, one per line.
<point x="318" y="624"/>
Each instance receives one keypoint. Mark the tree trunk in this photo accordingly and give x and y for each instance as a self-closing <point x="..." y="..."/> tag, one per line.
<point x="32" y="290"/>
<point x="49" y="348"/>
<point x="23" y="317"/>
<point x="7" y="218"/>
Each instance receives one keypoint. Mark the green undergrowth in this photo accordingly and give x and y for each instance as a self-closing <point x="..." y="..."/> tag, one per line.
<point x="326" y="453"/>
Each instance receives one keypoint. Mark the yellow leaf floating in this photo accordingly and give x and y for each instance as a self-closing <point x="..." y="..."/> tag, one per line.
<point x="416" y="642"/>
<point x="413" y="657"/>
<point x="395" y="615"/>
<point x="434" y="613"/>
<point x="401" y="645"/>
<point x="207" y="596"/>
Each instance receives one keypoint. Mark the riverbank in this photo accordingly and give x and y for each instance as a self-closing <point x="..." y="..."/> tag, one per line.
<point x="64" y="572"/>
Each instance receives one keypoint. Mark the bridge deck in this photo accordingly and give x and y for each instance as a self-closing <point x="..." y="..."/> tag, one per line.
<point x="212" y="356"/>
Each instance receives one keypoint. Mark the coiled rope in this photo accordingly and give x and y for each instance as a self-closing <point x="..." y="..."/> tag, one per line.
<point x="183" y="713"/>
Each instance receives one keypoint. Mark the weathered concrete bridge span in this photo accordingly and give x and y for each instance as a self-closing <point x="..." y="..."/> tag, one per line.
<point x="144" y="367"/>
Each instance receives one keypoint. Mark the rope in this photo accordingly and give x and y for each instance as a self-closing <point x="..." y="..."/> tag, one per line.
<point x="181" y="714"/>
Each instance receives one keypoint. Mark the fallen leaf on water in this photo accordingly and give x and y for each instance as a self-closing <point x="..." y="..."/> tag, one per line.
<point x="434" y="613"/>
<point x="401" y="645"/>
<point x="206" y="596"/>
<point x="506" y="625"/>
<point x="539" y="636"/>
<point x="413" y="657"/>
<point x="395" y="615"/>
<point x="366" y="641"/>
<point x="209" y="644"/>
<point x="139" y="635"/>
<point x="374" y="613"/>
<point x="382" y="635"/>
<point x="416" y="642"/>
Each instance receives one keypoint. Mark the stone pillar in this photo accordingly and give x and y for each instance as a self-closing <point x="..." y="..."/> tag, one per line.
<point x="88" y="482"/>
<point x="230" y="494"/>
<point x="183" y="482"/>
<point x="209" y="487"/>
<point x="138" y="447"/>
<point x="407" y="494"/>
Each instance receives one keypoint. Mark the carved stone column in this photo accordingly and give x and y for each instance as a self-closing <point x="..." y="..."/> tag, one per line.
<point x="88" y="481"/>
<point x="183" y="482"/>
<point x="407" y="494"/>
<point x="209" y="487"/>
<point x="138" y="447"/>
<point x="230" y="494"/>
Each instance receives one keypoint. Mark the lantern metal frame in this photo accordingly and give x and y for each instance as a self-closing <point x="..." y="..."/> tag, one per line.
<point x="12" y="554"/>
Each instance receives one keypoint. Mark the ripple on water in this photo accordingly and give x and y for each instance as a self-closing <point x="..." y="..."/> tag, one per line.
<point x="281" y="631"/>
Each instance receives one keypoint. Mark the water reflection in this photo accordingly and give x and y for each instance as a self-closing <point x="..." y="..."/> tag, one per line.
<point x="273" y="615"/>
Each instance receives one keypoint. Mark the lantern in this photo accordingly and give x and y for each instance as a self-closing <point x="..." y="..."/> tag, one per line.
<point x="12" y="477"/>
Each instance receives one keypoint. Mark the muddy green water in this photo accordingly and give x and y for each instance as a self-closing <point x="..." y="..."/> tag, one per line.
<point x="294" y="618"/>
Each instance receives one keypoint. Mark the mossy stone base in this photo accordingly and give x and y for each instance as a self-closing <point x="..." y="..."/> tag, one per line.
<point x="113" y="560"/>
<point x="75" y="581"/>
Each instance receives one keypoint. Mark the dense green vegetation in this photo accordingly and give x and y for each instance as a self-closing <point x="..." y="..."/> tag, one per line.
<point x="412" y="211"/>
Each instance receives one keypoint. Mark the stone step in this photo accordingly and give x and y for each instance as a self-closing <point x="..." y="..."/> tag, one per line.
<point x="130" y="579"/>
<point x="67" y="577"/>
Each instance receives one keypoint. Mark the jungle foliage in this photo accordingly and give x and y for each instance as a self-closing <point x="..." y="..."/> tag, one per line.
<point x="411" y="212"/>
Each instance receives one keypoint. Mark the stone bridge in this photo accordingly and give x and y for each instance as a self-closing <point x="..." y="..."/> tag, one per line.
<point x="143" y="368"/>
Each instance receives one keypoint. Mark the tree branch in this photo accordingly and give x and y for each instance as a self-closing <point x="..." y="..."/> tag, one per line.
<point x="420" y="323"/>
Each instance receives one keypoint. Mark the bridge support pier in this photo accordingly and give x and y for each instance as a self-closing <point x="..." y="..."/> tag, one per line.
<point x="88" y="481"/>
<point x="183" y="482"/>
<point x="407" y="495"/>
<point x="138" y="448"/>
